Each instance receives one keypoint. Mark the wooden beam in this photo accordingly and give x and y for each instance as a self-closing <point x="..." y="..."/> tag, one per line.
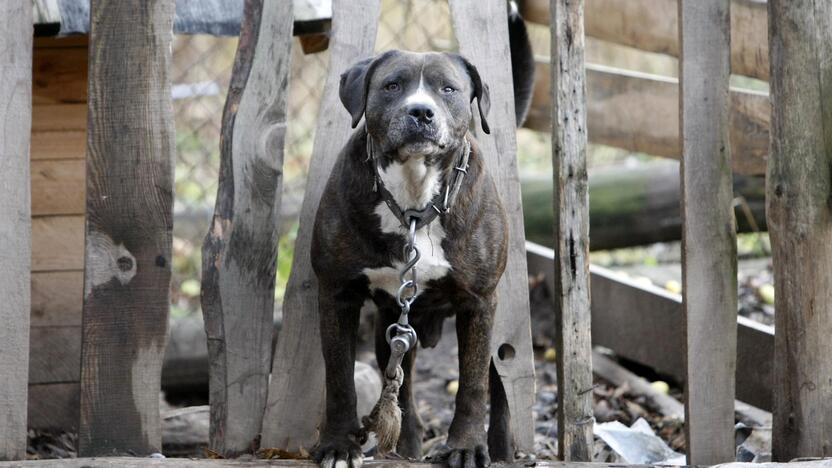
<point x="15" y="225"/>
<point x="54" y="354"/>
<point x="57" y="243"/>
<point x="60" y="144"/>
<point x="800" y="221"/>
<point x="240" y="249"/>
<point x="645" y="324"/>
<point x="613" y="94"/>
<point x="571" y="229"/>
<point x="709" y="240"/>
<point x="128" y="226"/>
<point x="651" y="25"/>
<point x="57" y="187"/>
<point x="57" y="297"/>
<point x="59" y="117"/>
<point x="296" y="398"/>
<point x="60" y="75"/>
<point x="127" y="462"/>
<point x="481" y="29"/>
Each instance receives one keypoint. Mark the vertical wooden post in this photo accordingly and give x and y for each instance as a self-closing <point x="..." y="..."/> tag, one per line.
<point x="130" y="149"/>
<point x="799" y="193"/>
<point x="239" y="254"/>
<point x="571" y="199"/>
<point x="296" y="392"/>
<point x="15" y="222"/>
<point x="481" y="29"/>
<point x="709" y="243"/>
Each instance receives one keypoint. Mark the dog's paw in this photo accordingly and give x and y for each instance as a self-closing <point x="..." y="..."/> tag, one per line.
<point x="476" y="457"/>
<point x="338" y="453"/>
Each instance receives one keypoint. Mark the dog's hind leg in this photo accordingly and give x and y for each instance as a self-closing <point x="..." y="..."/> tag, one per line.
<point x="500" y="437"/>
<point x="339" y="313"/>
<point x="410" y="440"/>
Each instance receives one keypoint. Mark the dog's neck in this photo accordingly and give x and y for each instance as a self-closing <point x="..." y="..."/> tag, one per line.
<point x="414" y="180"/>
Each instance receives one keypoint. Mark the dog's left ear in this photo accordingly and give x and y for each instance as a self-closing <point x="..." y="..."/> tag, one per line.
<point x="355" y="85"/>
<point x="480" y="92"/>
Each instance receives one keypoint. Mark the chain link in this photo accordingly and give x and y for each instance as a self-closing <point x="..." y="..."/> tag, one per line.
<point x="409" y="288"/>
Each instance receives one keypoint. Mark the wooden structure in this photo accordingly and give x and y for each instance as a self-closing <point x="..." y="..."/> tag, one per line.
<point x="709" y="240"/>
<point x="238" y="273"/>
<point x="58" y="180"/>
<point x="800" y="216"/>
<point x="129" y="224"/>
<point x="571" y="231"/>
<point x="15" y="229"/>
<point x="126" y="259"/>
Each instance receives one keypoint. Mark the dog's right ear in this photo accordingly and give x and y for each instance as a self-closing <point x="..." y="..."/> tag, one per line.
<point x="355" y="84"/>
<point x="353" y="89"/>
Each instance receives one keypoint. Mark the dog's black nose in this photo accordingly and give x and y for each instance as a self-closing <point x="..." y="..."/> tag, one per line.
<point x="421" y="112"/>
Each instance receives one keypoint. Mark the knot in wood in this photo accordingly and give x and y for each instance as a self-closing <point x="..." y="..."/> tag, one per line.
<point x="125" y="263"/>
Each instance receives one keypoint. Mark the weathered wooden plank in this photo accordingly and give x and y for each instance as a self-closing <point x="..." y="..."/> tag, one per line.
<point x="481" y="30"/>
<point x="295" y="405"/>
<point x="129" y="224"/>
<point x="59" y="117"/>
<point x="571" y="229"/>
<point x="59" y="75"/>
<point x="127" y="462"/>
<point x="709" y="240"/>
<point x="68" y="144"/>
<point x="54" y="406"/>
<point x="652" y="25"/>
<point x="63" y="41"/>
<point x="239" y="253"/>
<point x="800" y="221"/>
<point x="15" y="225"/>
<point x="645" y="324"/>
<point x="614" y="93"/>
<point x="57" y="187"/>
<point x="57" y="243"/>
<point x="54" y="355"/>
<point x="57" y="298"/>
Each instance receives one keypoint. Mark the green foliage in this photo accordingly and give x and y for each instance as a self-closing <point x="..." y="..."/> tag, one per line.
<point x="285" y="255"/>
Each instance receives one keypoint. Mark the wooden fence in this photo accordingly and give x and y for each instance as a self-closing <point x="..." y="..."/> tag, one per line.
<point x="129" y="201"/>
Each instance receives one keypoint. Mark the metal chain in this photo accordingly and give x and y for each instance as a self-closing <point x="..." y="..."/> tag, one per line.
<point x="409" y="288"/>
<point x="401" y="336"/>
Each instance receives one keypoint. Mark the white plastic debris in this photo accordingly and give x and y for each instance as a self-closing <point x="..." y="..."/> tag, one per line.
<point x="637" y="444"/>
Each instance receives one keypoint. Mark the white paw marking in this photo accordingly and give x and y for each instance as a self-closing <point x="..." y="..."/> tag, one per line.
<point x="357" y="462"/>
<point x="341" y="464"/>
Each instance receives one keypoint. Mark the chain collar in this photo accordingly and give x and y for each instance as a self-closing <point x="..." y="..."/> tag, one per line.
<point x="440" y="204"/>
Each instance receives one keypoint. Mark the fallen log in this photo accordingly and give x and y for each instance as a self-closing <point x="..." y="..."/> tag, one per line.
<point x="630" y="206"/>
<point x="610" y="371"/>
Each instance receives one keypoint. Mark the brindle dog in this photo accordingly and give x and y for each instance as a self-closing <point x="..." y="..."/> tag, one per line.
<point x="417" y="110"/>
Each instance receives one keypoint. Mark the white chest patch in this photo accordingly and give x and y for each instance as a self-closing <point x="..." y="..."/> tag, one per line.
<point x="412" y="185"/>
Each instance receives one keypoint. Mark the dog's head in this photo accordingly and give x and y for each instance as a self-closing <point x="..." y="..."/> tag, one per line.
<point x="415" y="104"/>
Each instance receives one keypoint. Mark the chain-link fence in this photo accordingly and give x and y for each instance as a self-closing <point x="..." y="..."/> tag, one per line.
<point x="202" y="68"/>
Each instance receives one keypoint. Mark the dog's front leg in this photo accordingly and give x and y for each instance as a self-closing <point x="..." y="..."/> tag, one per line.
<point x="466" y="436"/>
<point x="339" y="309"/>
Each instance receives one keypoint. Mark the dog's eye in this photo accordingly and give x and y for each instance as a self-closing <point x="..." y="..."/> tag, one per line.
<point x="391" y="86"/>
<point x="448" y="90"/>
